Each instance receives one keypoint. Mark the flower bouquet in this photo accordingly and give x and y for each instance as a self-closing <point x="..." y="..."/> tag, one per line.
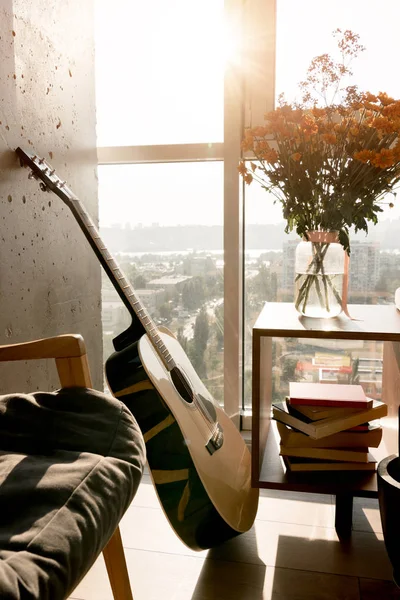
<point x="330" y="160"/>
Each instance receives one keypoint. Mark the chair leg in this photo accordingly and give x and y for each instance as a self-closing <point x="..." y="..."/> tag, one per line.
<point x="116" y="567"/>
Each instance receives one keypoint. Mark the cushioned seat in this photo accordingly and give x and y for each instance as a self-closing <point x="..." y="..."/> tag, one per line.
<point x="70" y="464"/>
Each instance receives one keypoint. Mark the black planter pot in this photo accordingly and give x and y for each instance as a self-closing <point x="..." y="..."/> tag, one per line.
<point x="389" y="505"/>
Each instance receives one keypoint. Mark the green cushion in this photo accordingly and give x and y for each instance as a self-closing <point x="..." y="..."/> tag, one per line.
<point x="70" y="464"/>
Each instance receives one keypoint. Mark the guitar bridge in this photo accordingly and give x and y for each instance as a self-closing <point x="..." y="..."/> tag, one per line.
<point x="216" y="440"/>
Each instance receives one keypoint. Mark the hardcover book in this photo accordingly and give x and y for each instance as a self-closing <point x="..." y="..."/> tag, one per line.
<point x="344" y="439"/>
<point x="324" y="427"/>
<point x="309" y="464"/>
<point x="336" y="454"/>
<point x="315" y="413"/>
<point x="328" y="394"/>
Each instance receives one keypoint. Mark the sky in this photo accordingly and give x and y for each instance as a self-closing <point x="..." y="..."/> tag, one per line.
<point x="159" y="73"/>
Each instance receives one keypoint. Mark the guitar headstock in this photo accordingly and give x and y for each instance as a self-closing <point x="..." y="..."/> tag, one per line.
<point x="42" y="171"/>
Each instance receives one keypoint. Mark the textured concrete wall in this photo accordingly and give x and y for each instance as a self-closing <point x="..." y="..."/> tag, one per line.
<point x="49" y="276"/>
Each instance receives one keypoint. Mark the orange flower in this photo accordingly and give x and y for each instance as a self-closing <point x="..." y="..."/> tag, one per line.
<point x="392" y="110"/>
<point x="248" y="178"/>
<point x="329" y="138"/>
<point x="364" y="155"/>
<point x="242" y="168"/>
<point x="270" y="155"/>
<point x="368" y="97"/>
<point x="385" y="99"/>
<point x="259" y="131"/>
<point x="372" y="107"/>
<point x="384" y="124"/>
<point x="383" y="159"/>
<point x="297" y="115"/>
<point x="318" y="112"/>
<point x="260" y="146"/>
<point x="308" y="124"/>
<point x="340" y="128"/>
<point x="248" y="142"/>
<point x="396" y="152"/>
<point x="296" y="156"/>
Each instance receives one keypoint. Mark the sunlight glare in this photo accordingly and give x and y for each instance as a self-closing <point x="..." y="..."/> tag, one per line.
<point x="231" y="51"/>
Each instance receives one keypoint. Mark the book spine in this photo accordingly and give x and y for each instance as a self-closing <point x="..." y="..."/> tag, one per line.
<point x="360" y="455"/>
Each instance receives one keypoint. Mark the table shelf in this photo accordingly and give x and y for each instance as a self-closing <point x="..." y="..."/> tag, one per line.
<point x="379" y="323"/>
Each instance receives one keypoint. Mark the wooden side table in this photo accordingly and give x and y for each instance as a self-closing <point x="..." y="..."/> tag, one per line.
<point x="281" y="320"/>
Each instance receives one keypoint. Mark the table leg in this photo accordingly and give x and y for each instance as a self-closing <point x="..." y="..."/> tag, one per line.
<point x="344" y="515"/>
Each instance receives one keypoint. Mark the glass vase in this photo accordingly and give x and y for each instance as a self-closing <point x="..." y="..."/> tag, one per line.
<point x="319" y="274"/>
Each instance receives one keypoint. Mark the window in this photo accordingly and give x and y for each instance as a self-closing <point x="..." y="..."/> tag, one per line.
<point x="303" y="31"/>
<point x="159" y="72"/>
<point x="173" y="79"/>
<point x="163" y="222"/>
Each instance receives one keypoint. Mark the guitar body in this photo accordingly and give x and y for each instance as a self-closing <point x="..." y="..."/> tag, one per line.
<point x="199" y="463"/>
<point x="207" y="498"/>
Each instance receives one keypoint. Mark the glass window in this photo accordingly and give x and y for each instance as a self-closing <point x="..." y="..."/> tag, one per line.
<point x="163" y="223"/>
<point x="304" y="30"/>
<point x="159" y="72"/>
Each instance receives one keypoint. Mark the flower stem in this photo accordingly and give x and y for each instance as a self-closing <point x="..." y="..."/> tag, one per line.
<point x="317" y="277"/>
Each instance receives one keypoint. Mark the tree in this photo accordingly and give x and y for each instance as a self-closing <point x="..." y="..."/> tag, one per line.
<point x="261" y="284"/>
<point x="219" y="326"/>
<point x="130" y="271"/>
<point x="139" y="282"/>
<point x="354" y="376"/>
<point x="182" y="339"/>
<point x="201" y="330"/>
<point x="165" y="311"/>
<point x="198" y="344"/>
<point x="193" y="293"/>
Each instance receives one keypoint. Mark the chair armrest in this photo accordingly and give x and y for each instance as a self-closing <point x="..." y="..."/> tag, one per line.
<point x="68" y="350"/>
<point x="61" y="346"/>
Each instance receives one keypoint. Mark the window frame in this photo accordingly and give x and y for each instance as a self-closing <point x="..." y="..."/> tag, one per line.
<point x="249" y="91"/>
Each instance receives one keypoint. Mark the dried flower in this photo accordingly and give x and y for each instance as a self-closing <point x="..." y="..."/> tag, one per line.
<point x="331" y="165"/>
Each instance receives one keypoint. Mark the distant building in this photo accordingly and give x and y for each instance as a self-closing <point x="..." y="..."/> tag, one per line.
<point x="114" y="312"/>
<point x="168" y="283"/>
<point x="364" y="266"/>
<point x="114" y="315"/>
<point x="288" y="263"/>
<point x="199" y="265"/>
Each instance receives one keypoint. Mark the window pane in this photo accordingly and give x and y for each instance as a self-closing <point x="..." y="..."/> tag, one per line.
<point x="327" y="361"/>
<point x="304" y="30"/>
<point x="159" y="72"/>
<point x="163" y="222"/>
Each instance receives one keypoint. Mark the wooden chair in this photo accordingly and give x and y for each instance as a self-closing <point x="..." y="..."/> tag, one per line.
<point x="70" y="355"/>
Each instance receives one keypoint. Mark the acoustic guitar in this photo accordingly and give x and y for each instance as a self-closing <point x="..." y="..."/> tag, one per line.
<point x="198" y="461"/>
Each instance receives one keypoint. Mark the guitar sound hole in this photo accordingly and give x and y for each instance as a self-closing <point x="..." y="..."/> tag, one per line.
<point x="182" y="385"/>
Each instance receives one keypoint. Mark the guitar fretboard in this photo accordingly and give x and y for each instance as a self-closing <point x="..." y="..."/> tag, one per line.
<point x="119" y="280"/>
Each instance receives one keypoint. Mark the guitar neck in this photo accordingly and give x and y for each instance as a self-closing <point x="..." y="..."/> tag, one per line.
<point x="120" y="282"/>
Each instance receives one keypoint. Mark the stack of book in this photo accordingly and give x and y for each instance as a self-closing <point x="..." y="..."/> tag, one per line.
<point x="328" y="427"/>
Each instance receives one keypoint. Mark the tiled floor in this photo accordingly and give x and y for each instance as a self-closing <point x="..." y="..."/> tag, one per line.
<point x="291" y="553"/>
